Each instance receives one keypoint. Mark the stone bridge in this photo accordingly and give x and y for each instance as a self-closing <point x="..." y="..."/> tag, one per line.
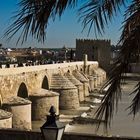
<point x="28" y="92"/>
<point x="22" y="81"/>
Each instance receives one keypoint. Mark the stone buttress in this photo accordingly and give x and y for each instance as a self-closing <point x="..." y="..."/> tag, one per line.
<point x="21" y="110"/>
<point x="83" y="80"/>
<point x="68" y="98"/>
<point x="42" y="100"/>
<point x="78" y="84"/>
<point x="5" y="119"/>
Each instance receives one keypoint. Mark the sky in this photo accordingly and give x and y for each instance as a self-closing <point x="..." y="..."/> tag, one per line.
<point x="61" y="32"/>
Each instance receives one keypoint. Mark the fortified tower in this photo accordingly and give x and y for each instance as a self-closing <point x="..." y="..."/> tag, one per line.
<point x="97" y="50"/>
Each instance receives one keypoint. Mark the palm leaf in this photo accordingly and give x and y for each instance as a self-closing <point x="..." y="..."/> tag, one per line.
<point x="99" y="13"/>
<point x="133" y="24"/>
<point x="33" y="18"/>
<point x="135" y="106"/>
<point x="130" y="46"/>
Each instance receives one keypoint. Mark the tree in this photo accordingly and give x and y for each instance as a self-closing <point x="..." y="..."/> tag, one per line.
<point x="33" y="18"/>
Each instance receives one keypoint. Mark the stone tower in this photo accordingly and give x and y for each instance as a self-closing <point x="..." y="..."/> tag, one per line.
<point x="97" y="50"/>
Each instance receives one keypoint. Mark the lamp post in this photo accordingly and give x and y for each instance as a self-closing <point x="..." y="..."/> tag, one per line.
<point x="52" y="129"/>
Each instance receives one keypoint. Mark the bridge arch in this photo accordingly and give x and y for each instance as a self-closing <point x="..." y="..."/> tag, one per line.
<point x="45" y="83"/>
<point x="22" y="91"/>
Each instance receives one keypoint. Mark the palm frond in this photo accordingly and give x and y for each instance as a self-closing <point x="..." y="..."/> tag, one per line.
<point x="132" y="19"/>
<point x="63" y="4"/>
<point x="135" y="106"/>
<point x="113" y="94"/>
<point x="33" y="18"/>
<point x="133" y="23"/>
<point x="99" y="13"/>
<point x="130" y="48"/>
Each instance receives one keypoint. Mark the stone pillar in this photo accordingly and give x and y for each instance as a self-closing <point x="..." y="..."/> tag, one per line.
<point x="68" y="98"/>
<point x="5" y="119"/>
<point x="83" y="79"/>
<point x="80" y="92"/>
<point x="78" y="84"/>
<point x="91" y="83"/>
<point x="21" y="110"/>
<point x="42" y="100"/>
<point x="98" y="80"/>
<point x="95" y="81"/>
<point x="86" y="89"/>
<point x="85" y="62"/>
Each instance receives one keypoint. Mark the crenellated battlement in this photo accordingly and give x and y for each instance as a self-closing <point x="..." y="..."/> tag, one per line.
<point x="93" y="41"/>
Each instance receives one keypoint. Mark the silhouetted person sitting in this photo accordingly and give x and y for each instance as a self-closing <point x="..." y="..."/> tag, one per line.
<point x="20" y="64"/>
<point x="0" y="65"/>
<point x="32" y="63"/>
<point x="7" y="65"/>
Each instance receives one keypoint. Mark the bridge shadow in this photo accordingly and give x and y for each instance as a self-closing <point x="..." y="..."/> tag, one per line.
<point x="45" y="83"/>
<point x="22" y="91"/>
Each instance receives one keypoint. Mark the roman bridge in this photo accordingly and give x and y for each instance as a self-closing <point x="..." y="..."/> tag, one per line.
<point x="22" y="81"/>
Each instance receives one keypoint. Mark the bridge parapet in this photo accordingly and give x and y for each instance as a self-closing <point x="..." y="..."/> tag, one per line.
<point x="20" y="80"/>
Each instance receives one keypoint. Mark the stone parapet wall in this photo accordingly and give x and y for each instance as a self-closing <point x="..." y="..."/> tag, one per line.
<point x="74" y="136"/>
<point x="19" y="70"/>
<point x="8" y="134"/>
<point x="32" y="77"/>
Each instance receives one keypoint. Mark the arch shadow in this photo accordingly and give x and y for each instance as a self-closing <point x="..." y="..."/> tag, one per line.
<point x="22" y="91"/>
<point x="45" y="83"/>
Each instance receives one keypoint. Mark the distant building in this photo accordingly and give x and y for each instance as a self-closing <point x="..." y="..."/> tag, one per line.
<point x="97" y="50"/>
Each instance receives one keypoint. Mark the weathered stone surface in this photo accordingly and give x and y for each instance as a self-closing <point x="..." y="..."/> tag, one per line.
<point x="24" y="80"/>
<point x="80" y="76"/>
<point x="21" y="110"/>
<point x="67" y="90"/>
<point x="40" y="93"/>
<point x="81" y="92"/>
<point x="83" y="79"/>
<point x="5" y="114"/>
<point x="42" y="100"/>
<point x="91" y="83"/>
<point x="68" y="98"/>
<point x="15" y="101"/>
<point x="5" y="119"/>
<point x="58" y="81"/>
<point x="32" y="77"/>
<point x="6" y="123"/>
<point x="72" y="79"/>
<point x="78" y="84"/>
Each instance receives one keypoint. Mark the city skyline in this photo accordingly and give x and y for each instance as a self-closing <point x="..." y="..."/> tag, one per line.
<point x="61" y="32"/>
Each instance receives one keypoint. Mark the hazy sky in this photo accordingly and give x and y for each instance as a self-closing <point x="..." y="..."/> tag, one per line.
<point x="59" y="33"/>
